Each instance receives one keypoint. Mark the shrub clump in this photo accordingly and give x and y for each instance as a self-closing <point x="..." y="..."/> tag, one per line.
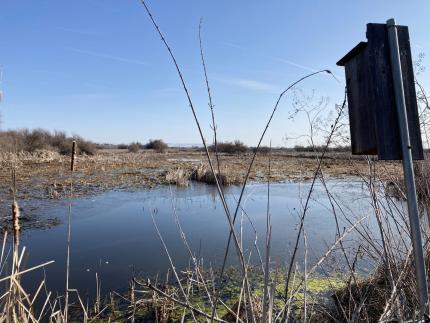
<point x="158" y="145"/>
<point x="227" y="147"/>
<point x="179" y="177"/>
<point x="203" y="174"/>
<point x="134" y="147"/>
<point x="40" y="139"/>
<point x="262" y="150"/>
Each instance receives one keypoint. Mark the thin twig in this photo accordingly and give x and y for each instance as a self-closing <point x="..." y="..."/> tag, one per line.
<point x="316" y="174"/>
<point x="177" y="301"/>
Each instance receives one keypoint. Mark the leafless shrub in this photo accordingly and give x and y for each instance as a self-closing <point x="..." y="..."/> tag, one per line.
<point x="11" y="141"/>
<point x="134" y="147"/>
<point x="84" y="146"/>
<point x="236" y="147"/>
<point x="158" y="145"/>
<point x="40" y="139"/>
<point x="36" y="139"/>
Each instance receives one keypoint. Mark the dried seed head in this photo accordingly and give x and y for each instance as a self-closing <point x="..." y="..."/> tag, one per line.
<point x="15" y="216"/>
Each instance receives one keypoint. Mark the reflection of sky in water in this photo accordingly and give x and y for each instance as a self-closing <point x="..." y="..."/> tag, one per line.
<point x="113" y="234"/>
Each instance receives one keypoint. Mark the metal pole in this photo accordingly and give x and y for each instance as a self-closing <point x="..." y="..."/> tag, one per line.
<point x="408" y="171"/>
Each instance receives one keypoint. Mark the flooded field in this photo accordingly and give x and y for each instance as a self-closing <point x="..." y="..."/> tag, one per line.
<point x="113" y="234"/>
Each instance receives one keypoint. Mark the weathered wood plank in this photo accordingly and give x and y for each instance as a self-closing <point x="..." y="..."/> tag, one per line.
<point x="372" y="111"/>
<point x="410" y="93"/>
<point x="361" y="117"/>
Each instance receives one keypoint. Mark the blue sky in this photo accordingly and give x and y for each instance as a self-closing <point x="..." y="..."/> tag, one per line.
<point x="98" y="69"/>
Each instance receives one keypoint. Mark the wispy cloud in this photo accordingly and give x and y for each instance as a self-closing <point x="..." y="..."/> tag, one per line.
<point x="298" y="65"/>
<point x="303" y="67"/>
<point x="85" y="32"/>
<point x="163" y="92"/>
<point x="307" y="68"/>
<point x="87" y="96"/>
<point x="107" y="56"/>
<point x="250" y="84"/>
<point x="256" y="85"/>
<point x="231" y="45"/>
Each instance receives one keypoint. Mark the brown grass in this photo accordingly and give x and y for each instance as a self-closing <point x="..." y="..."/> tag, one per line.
<point x="203" y="174"/>
<point x="178" y="176"/>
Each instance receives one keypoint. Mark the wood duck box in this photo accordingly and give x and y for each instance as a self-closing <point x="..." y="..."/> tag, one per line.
<point x="371" y="102"/>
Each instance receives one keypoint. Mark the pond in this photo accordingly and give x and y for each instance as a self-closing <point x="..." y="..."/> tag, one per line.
<point x="113" y="234"/>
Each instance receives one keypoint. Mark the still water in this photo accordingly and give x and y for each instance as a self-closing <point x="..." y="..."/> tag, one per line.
<point x="113" y="233"/>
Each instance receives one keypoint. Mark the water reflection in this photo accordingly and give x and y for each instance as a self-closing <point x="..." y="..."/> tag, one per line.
<point x="113" y="234"/>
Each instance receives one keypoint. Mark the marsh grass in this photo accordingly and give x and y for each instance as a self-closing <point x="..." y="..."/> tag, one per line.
<point x="203" y="174"/>
<point x="179" y="177"/>
<point x="182" y="177"/>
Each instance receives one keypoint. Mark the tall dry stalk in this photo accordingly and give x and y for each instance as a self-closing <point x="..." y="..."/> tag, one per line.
<point x="72" y="169"/>
<point x="252" y="163"/>
<point x="15" y="209"/>
<point x="210" y="103"/>
<point x="15" y="282"/>
<point x="266" y="286"/>
<point x="17" y="305"/>
<point x="386" y="244"/>
<point x="216" y="179"/>
<point x="305" y="209"/>
<point x="195" y="261"/>
<point x="220" y="192"/>
<point x="172" y="266"/>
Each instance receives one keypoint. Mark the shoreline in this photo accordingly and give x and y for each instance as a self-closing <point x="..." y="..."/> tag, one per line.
<point x="46" y="175"/>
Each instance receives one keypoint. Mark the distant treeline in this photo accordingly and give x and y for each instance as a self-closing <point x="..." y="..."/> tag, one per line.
<point x="238" y="147"/>
<point x="41" y="139"/>
<point x="227" y="147"/>
<point x="38" y="139"/>
<point x="321" y="148"/>
<point x="155" y="144"/>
